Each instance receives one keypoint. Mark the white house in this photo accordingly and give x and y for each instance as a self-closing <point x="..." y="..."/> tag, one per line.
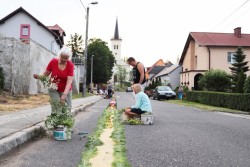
<point x="22" y="25"/>
<point x="170" y="75"/>
<point x="26" y="47"/>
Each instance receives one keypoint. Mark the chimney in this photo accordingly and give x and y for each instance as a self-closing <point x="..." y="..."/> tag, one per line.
<point x="237" y="32"/>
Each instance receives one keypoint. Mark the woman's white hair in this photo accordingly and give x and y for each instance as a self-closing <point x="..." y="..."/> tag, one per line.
<point x="65" y="51"/>
<point x="137" y="88"/>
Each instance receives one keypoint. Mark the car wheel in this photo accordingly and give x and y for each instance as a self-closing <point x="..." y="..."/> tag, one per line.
<point x="153" y="97"/>
<point x="158" y="97"/>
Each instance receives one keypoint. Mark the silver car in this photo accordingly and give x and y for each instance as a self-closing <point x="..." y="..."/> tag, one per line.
<point x="163" y="92"/>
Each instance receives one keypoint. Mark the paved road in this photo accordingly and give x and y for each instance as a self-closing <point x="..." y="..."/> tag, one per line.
<point x="180" y="137"/>
<point x="47" y="152"/>
<point x="188" y="137"/>
<point x="14" y="121"/>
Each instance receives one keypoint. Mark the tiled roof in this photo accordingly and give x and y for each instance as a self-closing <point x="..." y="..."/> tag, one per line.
<point x="150" y="68"/>
<point x="156" y="69"/>
<point x="167" y="70"/>
<point x="2" y="21"/>
<point x="220" y="39"/>
<point x="57" y="28"/>
<point x="235" y="39"/>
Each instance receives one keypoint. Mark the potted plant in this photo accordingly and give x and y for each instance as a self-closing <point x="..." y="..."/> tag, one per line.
<point x="61" y="121"/>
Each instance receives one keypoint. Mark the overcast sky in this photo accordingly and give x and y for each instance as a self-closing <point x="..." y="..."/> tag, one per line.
<point x="150" y="29"/>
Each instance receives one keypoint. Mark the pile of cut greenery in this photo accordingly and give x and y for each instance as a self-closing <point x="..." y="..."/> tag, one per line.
<point x="60" y="116"/>
<point x="118" y="136"/>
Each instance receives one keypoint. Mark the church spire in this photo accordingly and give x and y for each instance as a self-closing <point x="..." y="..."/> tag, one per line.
<point x="116" y="35"/>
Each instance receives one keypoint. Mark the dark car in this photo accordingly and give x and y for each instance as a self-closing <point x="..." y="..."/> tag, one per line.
<point x="149" y="92"/>
<point x="129" y="89"/>
<point x="163" y="92"/>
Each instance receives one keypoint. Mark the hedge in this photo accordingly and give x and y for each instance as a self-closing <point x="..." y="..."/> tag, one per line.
<point x="236" y="101"/>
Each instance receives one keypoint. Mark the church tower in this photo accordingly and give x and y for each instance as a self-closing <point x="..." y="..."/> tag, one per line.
<point x="116" y="47"/>
<point x="116" y="42"/>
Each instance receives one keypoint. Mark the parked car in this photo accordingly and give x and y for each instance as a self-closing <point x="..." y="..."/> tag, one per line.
<point x="149" y="93"/>
<point x="129" y="89"/>
<point x="163" y="92"/>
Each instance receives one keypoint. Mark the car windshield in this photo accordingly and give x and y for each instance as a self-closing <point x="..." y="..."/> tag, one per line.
<point x="164" y="88"/>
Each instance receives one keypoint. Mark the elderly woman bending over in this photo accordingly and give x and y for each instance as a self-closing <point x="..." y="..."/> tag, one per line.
<point x="142" y="104"/>
<point x="62" y="70"/>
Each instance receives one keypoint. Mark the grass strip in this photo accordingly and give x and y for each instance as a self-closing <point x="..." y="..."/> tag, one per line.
<point x="93" y="142"/>
<point x="118" y="136"/>
<point x="206" y="107"/>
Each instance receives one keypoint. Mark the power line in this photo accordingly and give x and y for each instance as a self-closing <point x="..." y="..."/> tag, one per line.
<point x="204" y="35"/>
<point x="231" y="14"/>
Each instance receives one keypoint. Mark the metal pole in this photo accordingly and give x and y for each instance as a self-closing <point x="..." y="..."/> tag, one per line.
<point x="92" y="68"/>
<point x="85" y="55"/>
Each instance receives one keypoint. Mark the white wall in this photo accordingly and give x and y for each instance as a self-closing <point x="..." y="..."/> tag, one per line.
<point x="20" y="61"/>
<point x="39" y="59"/>
<point x="11" y="28"/>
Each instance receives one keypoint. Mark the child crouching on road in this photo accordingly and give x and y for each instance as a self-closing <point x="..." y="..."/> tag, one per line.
<point x="142" y="103"/>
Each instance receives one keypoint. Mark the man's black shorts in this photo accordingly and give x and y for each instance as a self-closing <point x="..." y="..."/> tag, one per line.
<point x="137" y="111"/>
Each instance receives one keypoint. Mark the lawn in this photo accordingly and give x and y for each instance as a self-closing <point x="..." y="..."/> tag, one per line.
<point x="206" y="107"/>
<point x="21" y="102"/>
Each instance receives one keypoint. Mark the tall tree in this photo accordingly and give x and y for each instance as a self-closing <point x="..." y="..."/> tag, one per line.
<point x="247" y="85"/>
<point x="153" y="84"/>
<point x="121" y="74"/>
<point x="239" y="66"/>
<point x="75" y="44"/>
<point x="160" y="83"/>
<point x="103" y="61"/>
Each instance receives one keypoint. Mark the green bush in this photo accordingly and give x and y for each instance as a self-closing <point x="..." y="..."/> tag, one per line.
<point x="1" y="79"/>
<point x="215" y="80"/>
<point x="127" y="84"/>
<point x="236" y="101"/>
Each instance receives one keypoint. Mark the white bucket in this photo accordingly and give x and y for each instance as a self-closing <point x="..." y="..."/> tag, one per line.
<point x="60" y="133"/>
<point x="147" y="119"/>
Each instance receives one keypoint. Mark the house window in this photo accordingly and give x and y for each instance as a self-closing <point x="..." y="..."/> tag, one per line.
<point x="230" y="56"/>
<point x="195" y="62"/>
<point x="25" y="31"/>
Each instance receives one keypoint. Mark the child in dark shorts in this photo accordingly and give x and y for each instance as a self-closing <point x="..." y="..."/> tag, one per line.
<point x="137" y="111"/>
<point x="142" y="103"/>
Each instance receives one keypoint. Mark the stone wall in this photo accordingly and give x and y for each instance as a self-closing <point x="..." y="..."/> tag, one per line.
<point x="20" y="61"/>
<point x="14" y="55"/>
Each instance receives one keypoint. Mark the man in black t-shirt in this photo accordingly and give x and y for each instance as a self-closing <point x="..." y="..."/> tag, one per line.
<point x="138" y="71"/>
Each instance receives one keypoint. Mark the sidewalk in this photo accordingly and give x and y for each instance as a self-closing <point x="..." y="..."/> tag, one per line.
<point x="18" y="127"/>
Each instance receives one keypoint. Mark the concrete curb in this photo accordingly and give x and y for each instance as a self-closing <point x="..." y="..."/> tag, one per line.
<point x="18" y="138"/>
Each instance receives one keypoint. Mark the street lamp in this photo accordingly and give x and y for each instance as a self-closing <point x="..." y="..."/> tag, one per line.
<point x="86" y="47"/>
<point x="92" y="68"/>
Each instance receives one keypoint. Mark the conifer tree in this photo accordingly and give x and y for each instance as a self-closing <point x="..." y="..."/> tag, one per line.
<point x="153" y="84"/>
<point x="247" y="85"/>
<point x="160" y="83"/>
<point x="156" y="82"/>
<point x="238" y="66"/>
